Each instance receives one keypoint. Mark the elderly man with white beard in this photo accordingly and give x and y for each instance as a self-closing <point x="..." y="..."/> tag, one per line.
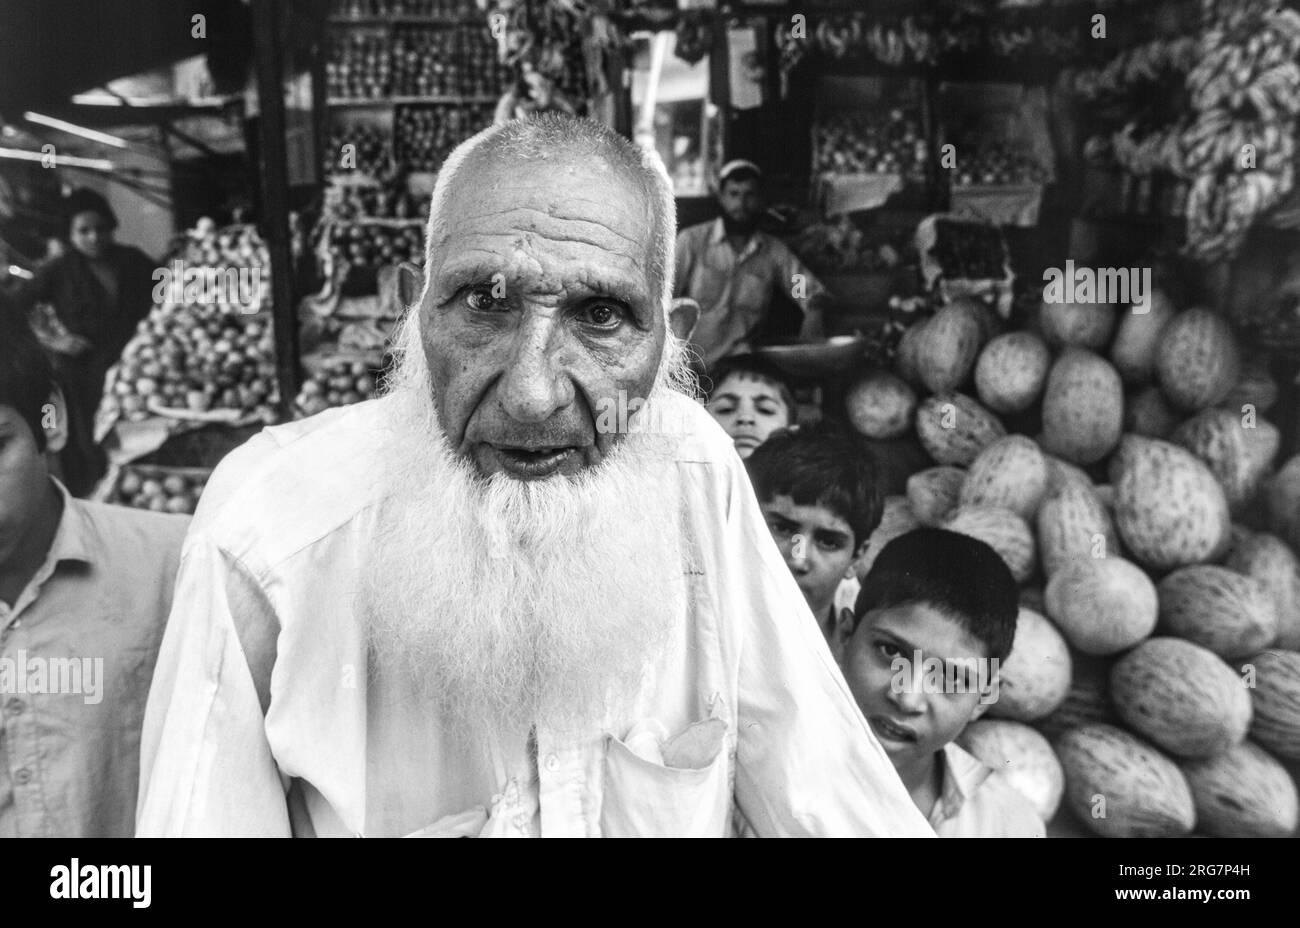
<point x="508" y="598"/>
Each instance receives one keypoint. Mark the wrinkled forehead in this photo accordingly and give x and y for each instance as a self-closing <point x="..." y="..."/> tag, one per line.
<point x="566" y="203"/>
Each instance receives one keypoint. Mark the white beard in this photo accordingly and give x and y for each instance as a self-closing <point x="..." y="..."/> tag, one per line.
<point x="503" y="603"/>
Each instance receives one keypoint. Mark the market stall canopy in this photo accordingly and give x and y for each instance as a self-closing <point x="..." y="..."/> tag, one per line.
<point x="51" y="49"/>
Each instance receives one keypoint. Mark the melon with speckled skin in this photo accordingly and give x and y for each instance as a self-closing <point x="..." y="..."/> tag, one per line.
<point x="947" y="348"/>
<point x="906" y="358"/>
<point x="1083" y="407"/>
<point x="1036" y="674"/>
<point x="1011" y="372"/>
<point x="1282" y="499"/>
<point x="1149" y="413"/>
<point x="1133" y="352"/>
<point x="1003" y="531"/>
<point x="1023" y="755"/>
<point x="954" y="429"/>
<point x="1181" y="696"/>
<point x="1231" y="614"/>
<point x="1102" y="605"/>
<point x="1082" y="325"/>
<point x="1169" y="509"/>
<point x="1276" y="697"/>
<point x="1144" y="793"/>
<point x="1088" y="700"/>
<point x="1197" y="361"/>
<point x="1011" y="473"/>
<point x="1072" y="524"/>
<point x="1238" y="450"/>
<point x="1267" y="559"/>
<point x="896" y="519"/>
<point x="1243" y="793"/>
<point x="933" y="492"/>
<point x="880" y="405"/>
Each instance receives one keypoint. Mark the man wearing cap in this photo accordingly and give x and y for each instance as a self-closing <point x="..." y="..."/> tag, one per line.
<point x="490" y="603"/>
<point x="734" y="270"/>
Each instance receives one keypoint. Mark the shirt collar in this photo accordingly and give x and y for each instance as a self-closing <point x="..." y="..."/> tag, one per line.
<point x="962" y="776"/>
<point x="72" y="539"/>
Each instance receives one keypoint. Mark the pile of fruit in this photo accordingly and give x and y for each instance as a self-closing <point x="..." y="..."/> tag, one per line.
<point x="871" y="144"/>
<point x="843" y="246"/>
<point x="337" y="382"/>
<point x="411" y="62"/>
<point x="426" y="135"/>
<point x="424" y="9"/>
<point x="1121" y="465"/>
<point x="372" y="244"/>
<point x="992" y="162"/>
<point x="159" y="489"/>
<point x="1157" y="60"/>
<point x="349" y="202"/>
<point x="370" y="152"/>
<point x="197" y="359"/>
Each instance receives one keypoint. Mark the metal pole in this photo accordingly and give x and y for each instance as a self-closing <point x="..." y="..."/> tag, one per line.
<point x="275" y="194"/>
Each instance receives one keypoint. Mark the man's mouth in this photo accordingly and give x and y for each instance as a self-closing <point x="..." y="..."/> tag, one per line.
<point x="892" y="731"/>
<point x="534" y="462"/>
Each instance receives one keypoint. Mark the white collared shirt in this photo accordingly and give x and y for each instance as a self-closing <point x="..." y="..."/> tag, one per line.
<point x="979" y="802"/>
<point x="265" y="590"/>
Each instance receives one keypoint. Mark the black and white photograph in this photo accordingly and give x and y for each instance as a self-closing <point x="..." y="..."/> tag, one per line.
<point x="651" y="418"/>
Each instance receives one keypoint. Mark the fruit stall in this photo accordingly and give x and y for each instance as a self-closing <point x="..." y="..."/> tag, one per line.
<point x="1133" y="457"/>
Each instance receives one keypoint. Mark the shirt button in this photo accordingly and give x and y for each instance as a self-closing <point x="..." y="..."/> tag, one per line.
<point x="521" y="822"/>
<point x="552" y="763"/>
<point x="15" y="706"/>
<point x="23" y="776"/>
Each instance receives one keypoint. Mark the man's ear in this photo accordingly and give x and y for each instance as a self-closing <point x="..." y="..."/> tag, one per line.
<point x="841" y="634"/>
<point x="410" y="282"/>
<point x="988" y="697"/>
<point x="852" y="571"/>
<point x="54" y="422"/>
<point x="682" y="316"/>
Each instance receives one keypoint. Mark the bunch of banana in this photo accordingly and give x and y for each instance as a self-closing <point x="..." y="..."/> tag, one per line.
<point x="919" y="41"/>
<point x="1146" y="62"/>
<point x="1221" y="211"/>
<point x="887" y="46"/>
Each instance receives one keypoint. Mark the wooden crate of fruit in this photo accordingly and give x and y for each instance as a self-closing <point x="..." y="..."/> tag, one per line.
<point x="160" y="489"/>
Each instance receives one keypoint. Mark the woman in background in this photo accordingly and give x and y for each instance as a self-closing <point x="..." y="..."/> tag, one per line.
<point x="99" y="291"/>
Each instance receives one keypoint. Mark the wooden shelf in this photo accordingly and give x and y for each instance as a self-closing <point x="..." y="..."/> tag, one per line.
<point x="372" y="21"/>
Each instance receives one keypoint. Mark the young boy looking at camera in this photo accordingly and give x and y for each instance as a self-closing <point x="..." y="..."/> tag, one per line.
<point x="750" y="400"/>
<point x="84" y="594"/>
<point x="819" y="491"/>
<point x="920" y="651"/>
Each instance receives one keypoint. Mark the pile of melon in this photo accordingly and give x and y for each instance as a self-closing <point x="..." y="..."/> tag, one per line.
<point x="1121" y="464"/>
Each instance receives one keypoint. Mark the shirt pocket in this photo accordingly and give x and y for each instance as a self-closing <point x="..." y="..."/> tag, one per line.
<point x="645" y="799"/>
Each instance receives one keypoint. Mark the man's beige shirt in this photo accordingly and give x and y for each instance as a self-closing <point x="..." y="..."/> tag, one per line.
<point x="265" y="592"/>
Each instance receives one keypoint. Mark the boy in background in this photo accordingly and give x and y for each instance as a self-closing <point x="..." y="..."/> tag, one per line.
<point x="820" y="493"/>
<point x="936" y="599"/>
<point x="85" y="590"/>
<point x="750" y="400"/>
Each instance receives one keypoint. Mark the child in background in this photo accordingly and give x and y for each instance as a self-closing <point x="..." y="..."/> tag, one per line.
<point x="750" y="400"/>
<point x="84" y="594"/>
<point x="819" y="491"/>
<point x="936" y="599"/>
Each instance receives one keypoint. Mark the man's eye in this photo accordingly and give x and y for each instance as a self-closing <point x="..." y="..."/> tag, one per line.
<point x="829" y="545"/>
<point x="723" y="409"/>
<point x="888" y="649"/>
<point x="481" y="298"/>
<point x="602" y="315"/>
<point x="779" y="528"/>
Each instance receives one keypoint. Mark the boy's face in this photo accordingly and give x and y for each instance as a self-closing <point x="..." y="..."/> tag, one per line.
<point x="90" y="234"/>
<point x="749" y="409"/>
<point x="912" y="717"/>
<point x="817" y="546"/>
<point x="23" y="482"/>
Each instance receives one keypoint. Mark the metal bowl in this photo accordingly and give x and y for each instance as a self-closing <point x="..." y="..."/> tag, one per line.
<point x="816" y="359"/>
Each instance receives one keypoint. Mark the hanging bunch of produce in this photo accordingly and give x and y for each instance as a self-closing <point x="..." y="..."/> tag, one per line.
<point x="569" y="41"/>
<point x="1240" y="150"/>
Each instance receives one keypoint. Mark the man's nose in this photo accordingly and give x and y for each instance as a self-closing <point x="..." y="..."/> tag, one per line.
<point x="534" y="385"/>
<point x="745" y="415"/>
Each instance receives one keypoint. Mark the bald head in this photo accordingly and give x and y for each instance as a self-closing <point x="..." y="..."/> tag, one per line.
<point x="547" y="149"/>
